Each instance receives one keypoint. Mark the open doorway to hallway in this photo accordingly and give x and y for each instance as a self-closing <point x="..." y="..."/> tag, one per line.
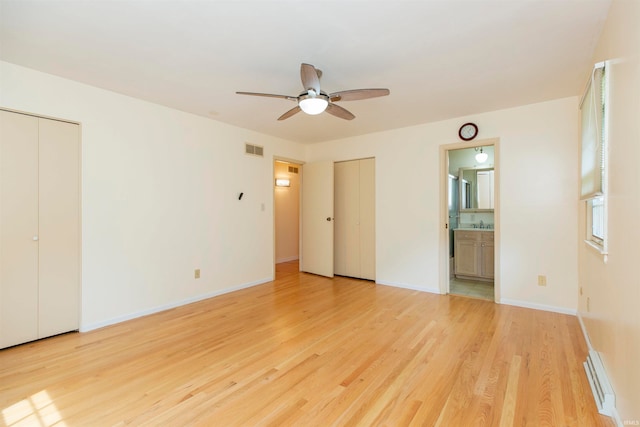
<point x="287" y="211"/>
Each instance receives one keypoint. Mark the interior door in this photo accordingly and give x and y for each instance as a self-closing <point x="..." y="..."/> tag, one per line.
<point x="368" y="219"/>
<point x="18" y="228"/>
<point x="346" y="257"/>
<point x="59" y="244"/>
<point x="317" y="218"/>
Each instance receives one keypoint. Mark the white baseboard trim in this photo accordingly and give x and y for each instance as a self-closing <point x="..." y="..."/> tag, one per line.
<point x="287" y="259"/>
<point x="412" y="287"/>
<point x="584" y="331"/>
<point x="526" y="304"/>
<point x="157" y="309"/>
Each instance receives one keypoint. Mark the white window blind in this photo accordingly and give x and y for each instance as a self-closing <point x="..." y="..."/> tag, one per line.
<point x="593" y="149"/>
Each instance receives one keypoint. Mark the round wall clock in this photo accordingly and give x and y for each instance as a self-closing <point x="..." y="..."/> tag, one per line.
<point x="468" y="131"/>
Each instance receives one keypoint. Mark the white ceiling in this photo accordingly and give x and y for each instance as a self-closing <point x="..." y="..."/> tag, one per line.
<point x="440" y="58"/>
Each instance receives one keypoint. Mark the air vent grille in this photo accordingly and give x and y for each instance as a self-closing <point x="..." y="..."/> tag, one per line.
<point x="254" y="150"/>
<point x="293" y="169"/>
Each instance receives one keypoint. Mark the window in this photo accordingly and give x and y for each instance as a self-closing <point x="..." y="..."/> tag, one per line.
<point x="594" y="114"/>
<point x="595" y="221"/>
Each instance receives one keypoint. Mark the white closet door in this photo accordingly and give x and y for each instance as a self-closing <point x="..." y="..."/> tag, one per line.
<point x="59" y="227"/>
<point x="367" y="210"/>
<point x="347" y="214"/>
<point x="355" y="246"/>
<point x="18" y="228"/>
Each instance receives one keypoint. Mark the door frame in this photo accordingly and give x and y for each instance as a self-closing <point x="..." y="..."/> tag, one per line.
<point x="444" y="212"/>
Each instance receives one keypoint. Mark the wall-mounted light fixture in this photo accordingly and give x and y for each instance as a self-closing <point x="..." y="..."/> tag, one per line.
<point x="481" y="157"/>
<point x="283" y="182"/>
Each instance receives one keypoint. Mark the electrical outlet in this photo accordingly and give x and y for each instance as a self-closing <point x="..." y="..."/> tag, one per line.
<point x="542" y="280"/>
<point x="196" y="273"/>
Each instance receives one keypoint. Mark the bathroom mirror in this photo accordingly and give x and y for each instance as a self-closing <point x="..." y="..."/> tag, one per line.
<point x="476" y="189"/>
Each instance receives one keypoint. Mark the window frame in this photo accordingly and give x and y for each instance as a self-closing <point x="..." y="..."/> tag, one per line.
<point x="593" y="239"/>
<point x="599" y="243"/>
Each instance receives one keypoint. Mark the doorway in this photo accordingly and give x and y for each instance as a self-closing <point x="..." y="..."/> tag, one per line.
<point x="286" y="195"/>
<point x="469" y="243"/>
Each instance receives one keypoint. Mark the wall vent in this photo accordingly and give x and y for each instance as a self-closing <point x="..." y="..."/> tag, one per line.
<point x="293" y="169"/>
<point x="254" y="150"/>
<point x="600" y="386"/>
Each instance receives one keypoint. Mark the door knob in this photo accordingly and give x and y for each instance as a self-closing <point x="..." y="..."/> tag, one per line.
<point x="35" y="238"/>
<point x="329" y="218"/>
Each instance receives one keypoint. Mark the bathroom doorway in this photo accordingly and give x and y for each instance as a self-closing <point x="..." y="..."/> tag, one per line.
<point x="470" y="215"/>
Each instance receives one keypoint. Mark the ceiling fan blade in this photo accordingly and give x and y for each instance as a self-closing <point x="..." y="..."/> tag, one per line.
<point x="338" y="111"/>
<point x="309" y="76"/>
<point x="357" y="94"/>
<point x="290" y="113"/>
<point x="269" y="95"/>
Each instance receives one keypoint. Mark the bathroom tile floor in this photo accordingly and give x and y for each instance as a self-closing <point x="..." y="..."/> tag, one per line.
<point x="471" y="288"/>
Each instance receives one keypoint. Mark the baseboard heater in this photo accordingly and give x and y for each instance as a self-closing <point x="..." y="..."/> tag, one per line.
<point x="600" y="386"/>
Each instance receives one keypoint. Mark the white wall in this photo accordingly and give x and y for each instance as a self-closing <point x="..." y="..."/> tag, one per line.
<point x="159" y="197"/>
<point x="612" y="317"/>
<point x="538" y="214"/>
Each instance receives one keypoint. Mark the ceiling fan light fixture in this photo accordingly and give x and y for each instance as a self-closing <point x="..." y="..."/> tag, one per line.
<point x="314" y="101"/>
<point x="313" y="104"/>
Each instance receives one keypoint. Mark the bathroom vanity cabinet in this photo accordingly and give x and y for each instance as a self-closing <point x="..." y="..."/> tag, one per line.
<point x="474" y="254"/>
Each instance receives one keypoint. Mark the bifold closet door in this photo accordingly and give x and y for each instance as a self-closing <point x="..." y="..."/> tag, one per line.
<point x="355" y="219"/>
<point x="18" y="228"/>
<point x="367" y="219"/>
<point x="347" y="211"/>
<point x="59" y="219"/>
<point x="39" y="228"/>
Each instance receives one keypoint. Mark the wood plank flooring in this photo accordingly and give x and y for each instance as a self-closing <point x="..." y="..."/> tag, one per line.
<point x="309" y="351"/>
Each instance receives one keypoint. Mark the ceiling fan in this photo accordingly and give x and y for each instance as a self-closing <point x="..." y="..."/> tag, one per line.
<point x="314" y="101"/>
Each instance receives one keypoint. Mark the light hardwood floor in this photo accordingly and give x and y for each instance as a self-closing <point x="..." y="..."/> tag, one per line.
<point x="309" y="351"/>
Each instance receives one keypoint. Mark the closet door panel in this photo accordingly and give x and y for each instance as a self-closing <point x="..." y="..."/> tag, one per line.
<point x="339" y="224"/>
<point x="347" y="233"/>
<point x="18" y="228"/>
<point x="59" y="227"/>
<point x="367" y="219"/>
